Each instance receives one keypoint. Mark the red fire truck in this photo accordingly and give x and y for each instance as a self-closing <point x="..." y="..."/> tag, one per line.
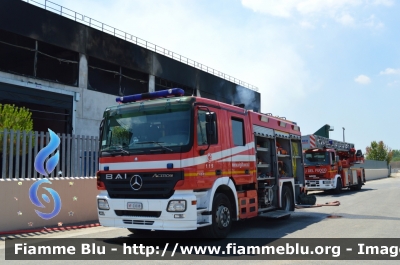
<point x="174" y="162"/>
<point x="328" y="164"/>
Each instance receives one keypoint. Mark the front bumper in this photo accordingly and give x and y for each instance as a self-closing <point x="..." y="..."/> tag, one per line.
<point x="153" y="216"/>
<point x="322" y="184"/>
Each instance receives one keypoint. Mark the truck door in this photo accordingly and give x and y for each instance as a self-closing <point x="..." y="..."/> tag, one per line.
<point x="240" y="148"/>
<point x="208" y="145"/>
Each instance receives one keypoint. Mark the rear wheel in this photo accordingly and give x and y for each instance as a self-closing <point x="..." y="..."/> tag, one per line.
<point x="339" y="187"/>
<point x="287" y="199"/>
<point x="221" y="218"/>
<point x="359" y="184"/>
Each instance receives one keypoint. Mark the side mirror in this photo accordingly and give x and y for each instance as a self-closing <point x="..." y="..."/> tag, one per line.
<point x="210" y="117"/>
<point x="210" y="128"/>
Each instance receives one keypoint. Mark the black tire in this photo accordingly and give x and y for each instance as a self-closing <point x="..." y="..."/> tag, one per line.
<point x="221" y="218"/>
<point x="339" y="187"/>
<point x="287" y="199"/>
<point x="359" y="184"/>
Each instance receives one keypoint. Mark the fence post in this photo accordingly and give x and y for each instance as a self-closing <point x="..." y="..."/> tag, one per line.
<point x="41" y="147"/>
<point x="51" y="174"/>
<point x="88" y="158"/>
<point x="68" y="170"/>
<point x="78" y="156"/>
<point x="17" y="146"/>
<point x="73" y="157"/>
<point x="63" y="158"/>
<point x="94" y="156"/>
<point x="10" y="155"/>
<point x="3" y="173"/>
<point x="59" y="155"/>
<point x="30" y="135"/>
<point x="23" y="174"/>
<point x="96" y="148"/>
<point x="35" y="174"/>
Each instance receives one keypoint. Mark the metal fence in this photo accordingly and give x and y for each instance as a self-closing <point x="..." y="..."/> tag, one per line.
<point x="395" y="170"/>
<point x="78" y="154"/>
<point x="372" y="164"/>
<point x="65" y="12"/>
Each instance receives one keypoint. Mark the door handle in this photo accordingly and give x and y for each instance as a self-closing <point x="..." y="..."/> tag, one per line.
<point x="218" y="172"/>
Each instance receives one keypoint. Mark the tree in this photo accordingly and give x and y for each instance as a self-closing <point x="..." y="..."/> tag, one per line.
<point x="15" y="118"/>
<point x="396" y="155"/>
<point x="120" y="136"/>
<point x="379" y="151"/>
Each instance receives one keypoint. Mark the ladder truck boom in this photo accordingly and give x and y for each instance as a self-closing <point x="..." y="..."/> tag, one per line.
<point x="315" y="141"/>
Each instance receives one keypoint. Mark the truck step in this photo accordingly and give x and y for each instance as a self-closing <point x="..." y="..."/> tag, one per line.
<point x="275" y="214"/>
<point x="201" y="224"/>
<point x="201" y="210"/>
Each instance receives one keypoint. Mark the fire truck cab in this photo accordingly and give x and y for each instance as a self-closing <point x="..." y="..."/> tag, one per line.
<point x="328" y="164"/>
<point x="174" y="162"/>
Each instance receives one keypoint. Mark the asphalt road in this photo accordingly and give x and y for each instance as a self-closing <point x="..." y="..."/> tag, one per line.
<point x="373" y="212"/>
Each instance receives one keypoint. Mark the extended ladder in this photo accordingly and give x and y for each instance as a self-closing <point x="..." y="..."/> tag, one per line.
<point x="315" y="141"/>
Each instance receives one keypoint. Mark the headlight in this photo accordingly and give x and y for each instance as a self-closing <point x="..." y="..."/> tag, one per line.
<point x="327" y="182"/>
<point x="103" y="204"/>
<point x="176" y="206"/>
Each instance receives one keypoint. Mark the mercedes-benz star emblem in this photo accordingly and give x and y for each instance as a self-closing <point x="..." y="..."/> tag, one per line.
<point x="136" y="182"/>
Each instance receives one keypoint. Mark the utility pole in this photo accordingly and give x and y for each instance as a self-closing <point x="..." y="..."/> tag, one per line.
<point x="343" y="134"/>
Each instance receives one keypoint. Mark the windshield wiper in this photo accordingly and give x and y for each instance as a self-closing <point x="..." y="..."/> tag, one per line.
<point x="157" y="143"/>
<point x="118" y="150"/>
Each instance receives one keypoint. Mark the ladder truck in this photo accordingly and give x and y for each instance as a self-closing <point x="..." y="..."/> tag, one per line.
<point x="328" y="164"/>
<point x="177" y="163"/>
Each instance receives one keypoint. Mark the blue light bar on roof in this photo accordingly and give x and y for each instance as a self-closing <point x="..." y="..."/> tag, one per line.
<point x="158" y="94"/>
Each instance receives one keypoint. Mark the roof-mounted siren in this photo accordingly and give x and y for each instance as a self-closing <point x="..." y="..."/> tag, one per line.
<point x="176" y="92"/>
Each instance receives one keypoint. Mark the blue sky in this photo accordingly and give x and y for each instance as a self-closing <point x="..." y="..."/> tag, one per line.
<point x="315" y="62"/>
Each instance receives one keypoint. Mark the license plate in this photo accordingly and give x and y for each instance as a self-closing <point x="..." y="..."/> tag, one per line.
<point x="135" y="205"/>
<point x="313" y="176"/>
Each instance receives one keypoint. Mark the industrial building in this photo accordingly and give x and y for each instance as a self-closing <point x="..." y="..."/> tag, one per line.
<point x="66" y="68"/>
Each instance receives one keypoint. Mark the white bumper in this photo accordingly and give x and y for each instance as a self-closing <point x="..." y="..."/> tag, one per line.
<point x="322" y="184"/>
<point x="153" y="216"/>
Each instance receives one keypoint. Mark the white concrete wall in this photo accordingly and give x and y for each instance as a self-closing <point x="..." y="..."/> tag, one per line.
<point x="371" y="174"/>
<point x="78" y="203"/>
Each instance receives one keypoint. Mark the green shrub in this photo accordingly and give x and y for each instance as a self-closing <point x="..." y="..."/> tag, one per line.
<point x="17" y="119"/>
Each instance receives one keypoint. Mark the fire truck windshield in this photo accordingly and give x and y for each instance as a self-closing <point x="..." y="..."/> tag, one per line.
<point x="145" y="128"/>
<point x="316" y="158"/>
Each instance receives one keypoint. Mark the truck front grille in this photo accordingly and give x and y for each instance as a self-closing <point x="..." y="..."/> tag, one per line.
<point x="138" y="222"/>
<point x="148" y="186"/>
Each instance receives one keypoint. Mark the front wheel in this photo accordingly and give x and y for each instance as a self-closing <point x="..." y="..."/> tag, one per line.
<point x="338" y="188"/>
<point x="221" y="218"/>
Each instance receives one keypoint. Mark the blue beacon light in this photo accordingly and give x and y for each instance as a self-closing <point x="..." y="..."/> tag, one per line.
<point x="151" y="95"/>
